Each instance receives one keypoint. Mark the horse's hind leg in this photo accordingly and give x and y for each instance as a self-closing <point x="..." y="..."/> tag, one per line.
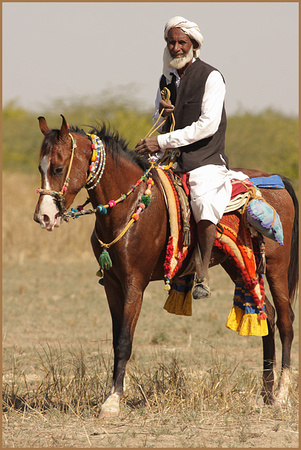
<point x="269" y="355"/>
<point x="268" y="341"/>
<point x="125" y="305"/>
<point x="277" y="278"/>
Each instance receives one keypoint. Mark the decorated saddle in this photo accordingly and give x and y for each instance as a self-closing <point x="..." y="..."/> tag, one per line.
<point x="239" y="235"/>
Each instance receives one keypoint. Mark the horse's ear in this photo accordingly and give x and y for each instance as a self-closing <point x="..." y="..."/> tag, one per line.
<point x="64" y="128"/>
<point x="43" y="125"/>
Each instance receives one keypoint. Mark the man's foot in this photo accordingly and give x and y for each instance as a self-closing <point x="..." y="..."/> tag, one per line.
<point x="201" y="290"/>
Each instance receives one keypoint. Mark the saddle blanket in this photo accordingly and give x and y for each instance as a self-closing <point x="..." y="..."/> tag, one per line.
<point x="247" y="315"/>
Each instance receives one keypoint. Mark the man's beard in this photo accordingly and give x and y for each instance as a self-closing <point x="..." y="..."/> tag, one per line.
<point x="179" y="63"/>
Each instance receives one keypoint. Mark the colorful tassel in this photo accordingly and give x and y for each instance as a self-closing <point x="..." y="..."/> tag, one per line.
<point x="262" y="316"/>
<point x="145" y="199"/>
<point x="105" y="261"/>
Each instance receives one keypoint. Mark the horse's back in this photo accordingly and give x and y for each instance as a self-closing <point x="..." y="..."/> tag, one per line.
<point x="279" y="258"/>
<point x="279" y="199"/>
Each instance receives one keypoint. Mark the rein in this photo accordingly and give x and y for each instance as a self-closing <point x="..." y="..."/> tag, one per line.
<point x="96" y="169"/>
<point x="170" y="155"/>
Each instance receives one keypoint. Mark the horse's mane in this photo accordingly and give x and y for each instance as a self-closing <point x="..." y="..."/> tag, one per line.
<point x="114" y="144"/>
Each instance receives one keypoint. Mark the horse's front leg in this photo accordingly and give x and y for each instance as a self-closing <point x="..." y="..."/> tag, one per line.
<point x="125" y="305"/>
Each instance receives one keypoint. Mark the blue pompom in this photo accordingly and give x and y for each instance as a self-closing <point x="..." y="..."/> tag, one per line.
<point x="102" y="209"/>
<point x="74" y="210"/>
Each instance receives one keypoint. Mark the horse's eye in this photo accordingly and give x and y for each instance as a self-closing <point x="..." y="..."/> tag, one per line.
<point x="58" y="170"/>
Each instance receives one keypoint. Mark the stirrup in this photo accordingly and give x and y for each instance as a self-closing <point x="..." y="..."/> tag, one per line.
<point x="201" y="289"/>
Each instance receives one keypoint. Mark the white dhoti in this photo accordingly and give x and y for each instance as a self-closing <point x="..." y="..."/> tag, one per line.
<point x="210" y="191"/>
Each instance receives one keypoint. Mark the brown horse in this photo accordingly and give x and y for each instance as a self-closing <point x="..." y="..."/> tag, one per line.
<point x="138" y="256"/>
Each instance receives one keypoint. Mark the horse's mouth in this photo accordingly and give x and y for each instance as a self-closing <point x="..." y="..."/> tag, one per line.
<point x="55" y="224"/>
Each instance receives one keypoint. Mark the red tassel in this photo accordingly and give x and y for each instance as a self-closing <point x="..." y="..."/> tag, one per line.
<point x="261" y="316"/>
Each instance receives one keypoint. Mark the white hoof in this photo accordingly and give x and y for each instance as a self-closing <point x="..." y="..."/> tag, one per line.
<point x="110" y="407"/>
<point x="282" y="398"/>
<point x="284" y="388"/>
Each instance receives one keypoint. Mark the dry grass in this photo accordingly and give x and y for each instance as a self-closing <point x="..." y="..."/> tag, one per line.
<point x="190" y="381"/>
<point x="164" y="398"/>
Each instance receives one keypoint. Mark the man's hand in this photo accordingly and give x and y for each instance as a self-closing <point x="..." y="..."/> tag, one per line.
<point x="148" y="145"/>
<point x="168" y="108"/>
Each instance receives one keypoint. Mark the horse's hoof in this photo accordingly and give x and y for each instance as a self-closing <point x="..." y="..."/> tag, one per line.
<point x="282" y="400"/>
<point x="107" y="413"/>
<point x="284" y="388"/>
<point x="110" y="408"/>
<point x="269" y="399"/>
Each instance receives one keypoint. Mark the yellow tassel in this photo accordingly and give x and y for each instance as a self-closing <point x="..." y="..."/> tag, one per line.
<point x="179" y="303"/>
<point x="246" y="324"/>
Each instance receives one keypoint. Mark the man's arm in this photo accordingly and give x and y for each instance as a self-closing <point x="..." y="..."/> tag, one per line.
<point x="209" y="120"/>
<point x="204" y="127"/>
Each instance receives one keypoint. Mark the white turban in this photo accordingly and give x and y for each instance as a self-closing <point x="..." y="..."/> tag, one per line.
<point x="189" y="28"/>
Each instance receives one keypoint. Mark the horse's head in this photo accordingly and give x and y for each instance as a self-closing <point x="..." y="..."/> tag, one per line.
<point x="63" y="174"/>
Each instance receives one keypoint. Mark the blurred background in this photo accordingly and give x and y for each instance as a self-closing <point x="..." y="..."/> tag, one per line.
<point x="102" y="61"/>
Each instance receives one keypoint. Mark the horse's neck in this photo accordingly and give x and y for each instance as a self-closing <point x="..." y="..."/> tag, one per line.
<point x="117" y="179"/>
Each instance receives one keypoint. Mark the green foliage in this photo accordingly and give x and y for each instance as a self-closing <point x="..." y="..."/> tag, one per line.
<point x="268" y="140"/>
<point x="22" y="138"/>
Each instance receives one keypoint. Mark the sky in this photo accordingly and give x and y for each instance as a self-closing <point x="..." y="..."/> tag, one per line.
<point x="92" y="50"/>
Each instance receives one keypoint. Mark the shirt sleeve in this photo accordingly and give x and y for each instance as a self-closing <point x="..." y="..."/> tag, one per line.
<point x="209" y="120"/>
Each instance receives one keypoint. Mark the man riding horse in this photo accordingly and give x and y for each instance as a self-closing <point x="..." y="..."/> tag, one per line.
<point x="197" y="103"/>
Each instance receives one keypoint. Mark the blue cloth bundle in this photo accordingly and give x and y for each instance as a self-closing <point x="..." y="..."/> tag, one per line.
<point x="271" y="182"/>
<point x="265" y="219"/>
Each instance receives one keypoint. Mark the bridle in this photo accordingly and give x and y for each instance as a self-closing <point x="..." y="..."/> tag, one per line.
<point x="59" y="196"/>
<point x="96" y="169"/>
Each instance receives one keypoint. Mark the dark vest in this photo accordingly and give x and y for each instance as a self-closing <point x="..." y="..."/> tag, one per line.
<point x="188" y="102"/>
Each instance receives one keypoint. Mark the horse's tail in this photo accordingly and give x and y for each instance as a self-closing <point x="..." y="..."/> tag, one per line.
<point x="293" y="270"/>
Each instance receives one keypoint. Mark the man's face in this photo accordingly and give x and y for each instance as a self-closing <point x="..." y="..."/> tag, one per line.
<point x="178" y="43"/>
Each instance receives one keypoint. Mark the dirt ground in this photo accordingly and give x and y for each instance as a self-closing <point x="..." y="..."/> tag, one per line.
<point x="39" y="311"/>
<point x="52" y="300"/>
<point x="51" y="431"/>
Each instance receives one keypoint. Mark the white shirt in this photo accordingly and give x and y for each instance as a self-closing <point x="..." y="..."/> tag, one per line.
<point x="209" y="120"/>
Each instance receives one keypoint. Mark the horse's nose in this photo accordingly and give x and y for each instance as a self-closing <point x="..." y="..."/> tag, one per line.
<point x="43" y="219"/>
<point x="46" y="222"/>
